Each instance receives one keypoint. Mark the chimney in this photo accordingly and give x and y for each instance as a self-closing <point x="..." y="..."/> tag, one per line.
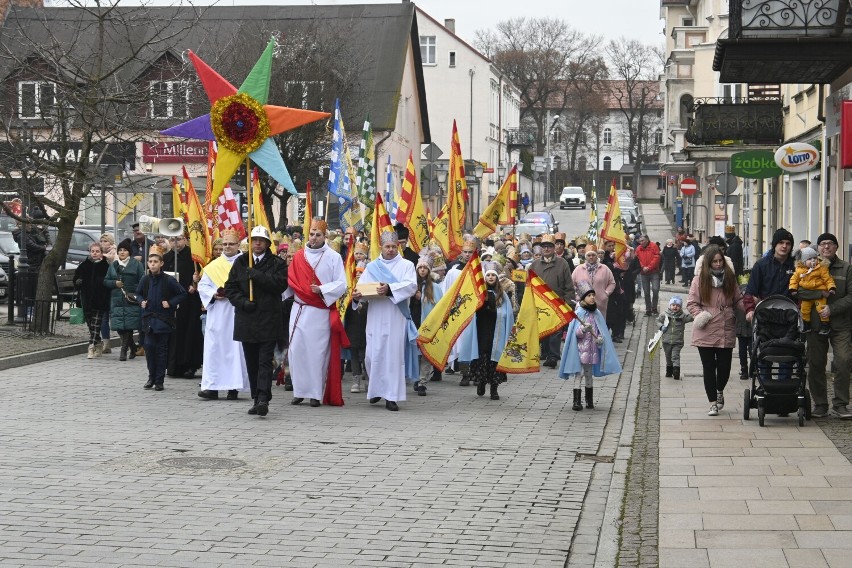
<point x="450" y="24"/>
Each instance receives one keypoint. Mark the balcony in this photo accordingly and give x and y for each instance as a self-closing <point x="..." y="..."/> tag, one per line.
<point x="785" y="41"/>
<point x="520" y="138"/>
<point x="744" y="121"/>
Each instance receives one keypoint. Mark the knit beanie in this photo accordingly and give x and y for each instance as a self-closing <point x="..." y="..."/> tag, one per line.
<point x="808" y="253"/>
<point x="782" y="234"/>
<point x="827" y="237"/>
<point x="676" y="301"/>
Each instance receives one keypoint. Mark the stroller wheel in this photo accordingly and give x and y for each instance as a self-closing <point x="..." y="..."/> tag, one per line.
<point x="801" y="416"/>
<point x="761" y="412"/>
<point x="746" y="404"/>
<point x="807" y="404"/>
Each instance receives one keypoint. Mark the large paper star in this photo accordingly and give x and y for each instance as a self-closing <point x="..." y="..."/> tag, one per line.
<point x="241" y="122"/>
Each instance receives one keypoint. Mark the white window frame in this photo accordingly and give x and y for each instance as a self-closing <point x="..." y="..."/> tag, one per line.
<point x="428" y="50"/>
<point x="182" y="87"/>
<point x="607" y="136"/>
<point x="732" y="91"/>
<point x="37" y="103"/>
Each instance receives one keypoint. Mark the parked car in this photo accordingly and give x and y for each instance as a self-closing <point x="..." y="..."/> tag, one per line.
<point x="542" y="217"/>
<point x="4" y="284"/>
<point x="534" y="229"/>
<point x="626" y="193"/>
<point x="572" y="197"/>
<point x="632" y="223"/>
<point x="78" y="249"/>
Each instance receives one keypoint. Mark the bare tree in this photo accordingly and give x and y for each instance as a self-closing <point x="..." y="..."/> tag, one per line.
<point x="586" y="105"/>
<point x="635" y="69"/>
<point x="73" y="74"/>
<point x="542" y="57"/>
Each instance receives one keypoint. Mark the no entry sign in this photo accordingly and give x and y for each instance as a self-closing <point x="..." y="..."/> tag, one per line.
<point x="688" y="186"/>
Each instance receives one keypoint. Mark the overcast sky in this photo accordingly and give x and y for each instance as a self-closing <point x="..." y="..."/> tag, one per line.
<point x="633" y="19"/>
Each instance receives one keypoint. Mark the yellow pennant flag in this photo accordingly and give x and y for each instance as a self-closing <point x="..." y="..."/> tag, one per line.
<point x="381" y="223"/>
<point x="411" y="212"/>
<point x="449" y="224"/>
<point x="452" y="314"/>
<point x="522" y="353"/>
<point x="258" y="217"/>
<point x="199" y="238"/>
<point x="613" y="228"/>
<point x="553" y="312"/>
<point x="349" y="270"/>
<point x="309" y="213"/>
<point x="178" y="199"/>
<point x="502" y="210"/>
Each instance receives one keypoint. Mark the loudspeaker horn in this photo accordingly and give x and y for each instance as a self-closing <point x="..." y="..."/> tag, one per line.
<point x="169" y="226"/>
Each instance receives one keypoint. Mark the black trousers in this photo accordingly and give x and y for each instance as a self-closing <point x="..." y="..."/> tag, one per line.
<point x="157" y="356"/>
<point x="716" y="362"/>
<point x="259" y="366"/>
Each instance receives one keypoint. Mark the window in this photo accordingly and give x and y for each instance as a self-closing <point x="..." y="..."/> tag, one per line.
<point x="732" y="91"/>
<point x="658" y="137"/>
<point x="607" y="136"/>
<point x="427" y="50"/>
<point x="452" y="59"/>
<point x="556" y="136"/>
<point x="688" y="22"/>
<point x="304" y="94"/>
<point x="581" y="163"/>
<point x="35" y="98"/>
<point x="169" y="99"/>
<point x="607" y="163"/>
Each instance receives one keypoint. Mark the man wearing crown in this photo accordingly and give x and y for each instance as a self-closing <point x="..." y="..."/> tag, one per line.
<point x="317" y="280"/>
<point x="225" y="365"/>
<point x="254" y="287"/>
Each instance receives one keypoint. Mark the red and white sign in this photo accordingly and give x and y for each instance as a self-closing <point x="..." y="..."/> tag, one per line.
<point x="688" y="186"/>
<point x="174" y="152"/>
<point x="15" y="206"/>
<point x="846" y="134"/>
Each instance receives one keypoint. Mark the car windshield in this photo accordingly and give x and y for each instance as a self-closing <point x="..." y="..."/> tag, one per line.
<point x="534" y="229"/>
<point x="536" y="218"/>
<point x="8" y="244"/>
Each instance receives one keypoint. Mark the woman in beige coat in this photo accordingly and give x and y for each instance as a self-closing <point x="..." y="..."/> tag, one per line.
<point x="713" y="298"/>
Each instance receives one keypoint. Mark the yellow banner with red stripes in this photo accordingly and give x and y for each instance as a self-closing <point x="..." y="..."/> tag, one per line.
<point x="411" y="212"/>
<point x="502" y="210"/>
<point x="553" y="312"/>
<point x="452" y="314"/>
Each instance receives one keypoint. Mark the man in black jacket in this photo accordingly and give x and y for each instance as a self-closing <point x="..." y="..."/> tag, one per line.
<point x="186" y="349"/>
<point x="255" y="292"/>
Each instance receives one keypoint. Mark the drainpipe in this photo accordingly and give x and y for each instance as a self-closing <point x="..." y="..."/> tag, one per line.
<point x="471" y="72"/>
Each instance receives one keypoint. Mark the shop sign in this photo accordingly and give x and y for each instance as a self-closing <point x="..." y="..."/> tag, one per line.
<point x="174" y="152"/>
<point x="797" y="157"/>
<point x="755" y="164"/>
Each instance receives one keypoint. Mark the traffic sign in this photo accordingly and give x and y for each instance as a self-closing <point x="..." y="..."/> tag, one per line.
<point x="432" y="153"/>
<point x="688" y="186"/>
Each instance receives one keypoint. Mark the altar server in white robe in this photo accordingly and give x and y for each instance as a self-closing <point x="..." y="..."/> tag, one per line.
<point x="316" y="281"/>
<point x="392" y="354"/>
<point x="224" y="363"/>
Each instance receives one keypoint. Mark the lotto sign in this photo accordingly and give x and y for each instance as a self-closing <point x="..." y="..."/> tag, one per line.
<point x="688" y="186"/>
<point x="796" y="157"/>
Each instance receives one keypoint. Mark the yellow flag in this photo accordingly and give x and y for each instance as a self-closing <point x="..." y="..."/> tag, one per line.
<point x="553" y="312"/>
<point x="258" y="217"/>
<point x="452" y="314"/>
<point x="448" y="226"/>
<point x="522" y="353"/>
<point x="178" y="199"/>
<point x="502" y="209"/>
<point x="309" y="213"/>
<point x="411" y="212"/>
<point x="381" y="223"/>
<point x="613" y="228"/>
<point x="199" y="238"/>
<point x="349" y="270"/>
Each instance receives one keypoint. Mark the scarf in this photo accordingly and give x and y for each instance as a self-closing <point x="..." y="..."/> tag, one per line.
<point x="123" y="263"/>
<point x="591" y="269"/>
<point x="717" y="279"/>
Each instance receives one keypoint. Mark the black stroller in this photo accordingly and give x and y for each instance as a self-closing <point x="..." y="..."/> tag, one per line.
<point x="777" y="366"/>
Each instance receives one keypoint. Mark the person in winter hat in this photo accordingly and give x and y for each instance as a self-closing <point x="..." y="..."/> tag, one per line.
<point x="673" y="322"/>
<point x="812" y="284"/>
<point x="589" y="351"/>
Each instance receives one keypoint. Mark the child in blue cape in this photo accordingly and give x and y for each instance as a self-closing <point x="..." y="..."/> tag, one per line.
<point x="589" y="351"/>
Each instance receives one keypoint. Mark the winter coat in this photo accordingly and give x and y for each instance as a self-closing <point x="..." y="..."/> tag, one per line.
<point x="603" y="284"/>
<point x="36" y="242"/>
<point x="816" y="278"/>
<point x="840" y="303"/>
<point x="768" y="277"/>
<point x="262" y="321"/>
<point x="557" y="275"/>
<point x="669" y="255"/>
<point x="649" y="258"/>
<point x="687" y="255"/>
<point x="89" y="281"/>
<point x="355" y="324"/>
<point x="721" y="330"/>
<point x="735" y="251"/>
<point x="154" y="288"/>
<point x="124" y="316"/>
<point x="677" y="325"/>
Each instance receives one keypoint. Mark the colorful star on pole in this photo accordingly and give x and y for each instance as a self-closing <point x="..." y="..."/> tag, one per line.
<point x="241" y="122"/>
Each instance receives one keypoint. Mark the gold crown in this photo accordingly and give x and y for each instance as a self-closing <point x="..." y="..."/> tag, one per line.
<point x="319" y="224"/>
<point x="362" y="247"/>
<point x="155" y="250"/>
<point x="232" y="233"/>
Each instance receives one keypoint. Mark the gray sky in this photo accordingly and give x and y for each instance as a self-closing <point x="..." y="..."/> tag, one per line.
<point x="633" y="19"/>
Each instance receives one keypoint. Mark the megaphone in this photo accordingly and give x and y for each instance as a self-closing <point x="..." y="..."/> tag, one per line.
<point x="169" y="226"/>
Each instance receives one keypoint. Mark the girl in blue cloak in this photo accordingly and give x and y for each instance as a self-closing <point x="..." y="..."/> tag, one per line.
<point x="589" y="351"/>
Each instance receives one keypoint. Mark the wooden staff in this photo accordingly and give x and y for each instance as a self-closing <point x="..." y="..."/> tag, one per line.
<point x="249" y="191"/>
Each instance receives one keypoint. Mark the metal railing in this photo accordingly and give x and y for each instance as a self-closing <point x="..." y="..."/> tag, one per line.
<point x="766" y="18"/>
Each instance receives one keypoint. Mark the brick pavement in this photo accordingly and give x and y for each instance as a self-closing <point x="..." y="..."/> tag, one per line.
<point x="451" y="479"/>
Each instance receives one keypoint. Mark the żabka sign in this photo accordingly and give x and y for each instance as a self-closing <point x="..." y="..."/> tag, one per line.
<point x="755" y="164"/>
<point x="796" y="157"/>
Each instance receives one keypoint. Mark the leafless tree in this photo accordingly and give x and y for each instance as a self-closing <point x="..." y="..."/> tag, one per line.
<point x="634" y="70"/>
<point x="83" y="101"/>
<point x="542" y="57"/>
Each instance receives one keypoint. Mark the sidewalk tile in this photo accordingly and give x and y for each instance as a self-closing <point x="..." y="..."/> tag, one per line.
<point x="679" y="558"/>
<point x="718" y="539"/>
<point x="805" y="558"/>
<point x="756" y="557"/>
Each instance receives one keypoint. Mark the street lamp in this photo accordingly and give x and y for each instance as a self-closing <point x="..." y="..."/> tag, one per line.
<point x="547" y="156"/>
<point x="476" y="178"/>
<point x="441" y="174"/>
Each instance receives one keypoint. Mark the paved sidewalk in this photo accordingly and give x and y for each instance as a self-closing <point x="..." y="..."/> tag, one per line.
<point x="735" y="494"/>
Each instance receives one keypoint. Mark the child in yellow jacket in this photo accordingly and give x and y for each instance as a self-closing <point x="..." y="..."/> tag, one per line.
<point x="812" y="284"/>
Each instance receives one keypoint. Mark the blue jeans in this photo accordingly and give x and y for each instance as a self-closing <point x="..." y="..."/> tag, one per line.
<point x="105" y="326"/>
<point x="651" y="289"/>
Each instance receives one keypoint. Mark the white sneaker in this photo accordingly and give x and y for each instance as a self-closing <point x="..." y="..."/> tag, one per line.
<point x="714" y="410"/>
<point x="720" y="400"/>
<point x="355" y="388"/>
